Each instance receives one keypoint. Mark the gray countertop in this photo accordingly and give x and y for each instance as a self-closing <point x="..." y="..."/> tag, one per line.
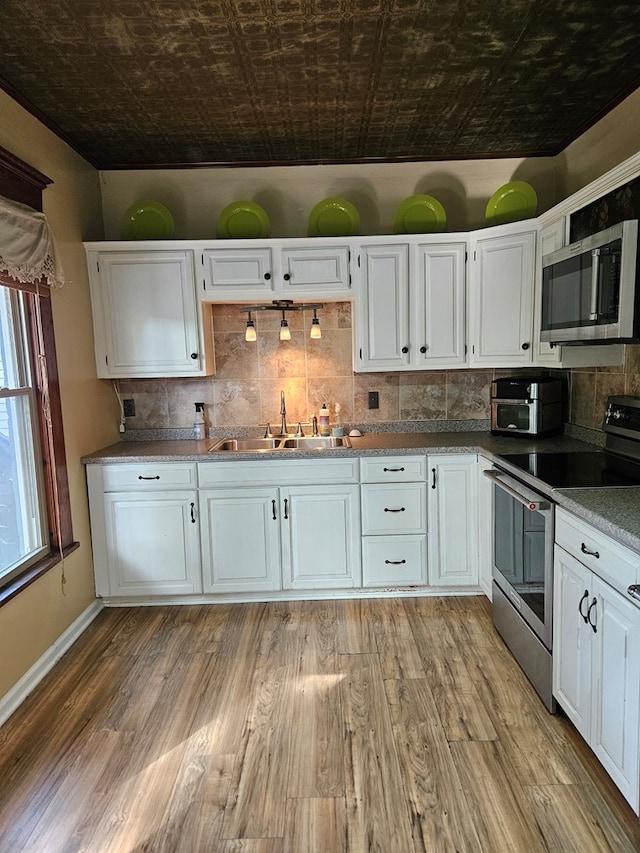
<point x="615" y="512"/>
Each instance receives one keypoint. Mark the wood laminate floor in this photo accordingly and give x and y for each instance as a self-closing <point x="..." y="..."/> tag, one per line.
<point x="390" y="725"/>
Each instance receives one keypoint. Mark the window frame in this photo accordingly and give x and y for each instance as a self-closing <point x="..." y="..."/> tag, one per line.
<point x="20" y="182"/>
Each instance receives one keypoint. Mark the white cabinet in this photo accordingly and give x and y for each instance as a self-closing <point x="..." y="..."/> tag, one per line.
<point x="296" y="530"/>
<point x="438" y="305"/>
<point x="596" y="660"/>
<point x="234" y="271"/>
<point x="144" y="523"/>
<point x="383" y="321"/>
<point x="453" y="520"/>
<point x="147" y="320"/>
<point x="412" y="313"/>
<point x="501" y="296"/>
<point x="394" y="521"/>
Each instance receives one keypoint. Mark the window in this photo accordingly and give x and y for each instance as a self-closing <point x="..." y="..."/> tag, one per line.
<point x="35" y="512"/>
<point x="23" y="529"/>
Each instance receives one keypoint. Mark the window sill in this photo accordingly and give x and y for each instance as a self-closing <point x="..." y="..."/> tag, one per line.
<point x="15" y="586"/>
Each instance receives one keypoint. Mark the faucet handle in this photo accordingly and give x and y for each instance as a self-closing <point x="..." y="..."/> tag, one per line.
<point x="299" y="433"/>
<point x="314" y="424"/>
<point x="267" y="432"/>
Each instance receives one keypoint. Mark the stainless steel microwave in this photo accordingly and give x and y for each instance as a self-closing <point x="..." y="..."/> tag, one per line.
<point x="589" y="292"/>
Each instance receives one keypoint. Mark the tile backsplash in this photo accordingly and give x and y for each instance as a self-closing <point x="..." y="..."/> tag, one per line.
<point x="245" y="391"/>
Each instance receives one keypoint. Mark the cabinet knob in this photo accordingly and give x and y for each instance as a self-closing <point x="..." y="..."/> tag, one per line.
<point x="194" y="355"/>
<point x="286" y="276"/>
<point x="405" y="350"/>
<point x="525" y="346"/>
<point x="267" y="276"/>
<point x="423" y="349"/>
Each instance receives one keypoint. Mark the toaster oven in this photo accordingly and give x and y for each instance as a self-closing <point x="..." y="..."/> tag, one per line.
<point x="529" y="406"/>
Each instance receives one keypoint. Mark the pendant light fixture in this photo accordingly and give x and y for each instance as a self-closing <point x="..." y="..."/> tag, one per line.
<point x="250" y="334"/>
<point x="283" y="305"/>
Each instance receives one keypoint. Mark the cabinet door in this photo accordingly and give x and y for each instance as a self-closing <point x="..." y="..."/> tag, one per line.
<point x="238" y="272"/>
<point x="240" y="539"/>
<point x="438" y="291"/>
<point x="453" y="521"/>
<point x="383" y="318"/>
<point x="152" y="545"/>
<point x="572" y="640"/>
<point x="616" y="687"/>
<point x="321" y="536"/>
<point x="316" y="271"/>
<point x="145" y="314"/>
<point x="502" y="300"/>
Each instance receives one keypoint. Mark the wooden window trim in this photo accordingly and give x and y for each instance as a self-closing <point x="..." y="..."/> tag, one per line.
<point x="20" y="182"/>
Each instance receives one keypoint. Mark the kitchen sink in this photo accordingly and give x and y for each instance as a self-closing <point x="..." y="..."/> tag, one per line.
<point x="283" y="442"/>
<point x="316" y="442"/>
<point x="240" y="445"/>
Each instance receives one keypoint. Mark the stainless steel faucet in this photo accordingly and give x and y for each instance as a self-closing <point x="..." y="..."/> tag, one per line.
<point x="283" y="415"/>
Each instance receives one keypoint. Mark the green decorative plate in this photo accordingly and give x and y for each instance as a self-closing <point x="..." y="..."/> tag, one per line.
<point x="512" y="202"/>
<point x="243" y="220"/>
<point x="334" y="217"/>
<point x="420" y="214"/>
<point x="147" y="220"/>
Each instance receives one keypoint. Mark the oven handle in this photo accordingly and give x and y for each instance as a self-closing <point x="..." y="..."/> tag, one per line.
<point x="534" y="506"/>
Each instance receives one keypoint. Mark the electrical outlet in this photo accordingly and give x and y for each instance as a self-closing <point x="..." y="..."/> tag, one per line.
<point x="129" y="408"/>
<point x="374" y="400"/>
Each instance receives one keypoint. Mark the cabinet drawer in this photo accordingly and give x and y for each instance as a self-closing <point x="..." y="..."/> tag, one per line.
<point x="394" y="508"/>
<point x="393" y="469"/>
<point x="614" y="563"/>
<point x="149" y="475"/>
<point x="278" y="472"/>
<point x="394" y="560"/>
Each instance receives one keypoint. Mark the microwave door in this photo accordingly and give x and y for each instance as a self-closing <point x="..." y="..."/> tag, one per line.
<point x="567" y="296"/>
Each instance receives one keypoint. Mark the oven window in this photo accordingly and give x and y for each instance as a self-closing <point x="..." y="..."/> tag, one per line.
<point x="512" y="416"/>
<point x="519" y="541"/>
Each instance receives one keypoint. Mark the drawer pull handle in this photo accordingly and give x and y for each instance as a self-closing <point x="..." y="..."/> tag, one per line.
<point x="394" y="562"/>
<point x="589" y="553"/>
<point x="157" y="477"/>
<point x="388" y="509"/>
<point x="584" y="598"/>
<point x="193" y="514"/>
<point x="392" y="470"/>
<point x="273" y="509"/>
<point x="591" y="606"/>
<point x="634" y="591"/>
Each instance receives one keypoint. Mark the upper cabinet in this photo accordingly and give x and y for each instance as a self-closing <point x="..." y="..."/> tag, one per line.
<point x="411" y="313"/>
<point x="501" y="296"/>
<point x="249" y="269"/>
<point x="550" y="238"/>
<point x="147" y="319"/>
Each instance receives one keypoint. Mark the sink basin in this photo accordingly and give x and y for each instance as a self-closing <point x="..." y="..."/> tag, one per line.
<point x="243" y="444"/>
<point x="268" y="445"/>
<point x="316" y="442"/>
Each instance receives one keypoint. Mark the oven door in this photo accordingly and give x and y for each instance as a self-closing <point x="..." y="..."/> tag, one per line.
<point x="523" y="532"/>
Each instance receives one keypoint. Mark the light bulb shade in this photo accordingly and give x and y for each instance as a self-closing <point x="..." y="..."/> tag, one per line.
<point x="316" y="331"/>
<point x="250" y="334"/>
<point x="285" y="331"/>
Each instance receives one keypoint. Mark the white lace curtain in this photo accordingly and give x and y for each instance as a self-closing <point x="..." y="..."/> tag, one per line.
<point x="27" y="246"/>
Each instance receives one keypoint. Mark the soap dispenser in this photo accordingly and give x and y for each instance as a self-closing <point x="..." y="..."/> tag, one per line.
<point x="199" y="426"/>
<point x="323" y="420"/>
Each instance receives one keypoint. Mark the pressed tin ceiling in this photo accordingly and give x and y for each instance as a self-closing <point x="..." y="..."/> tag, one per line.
<point x="173" y="82"/>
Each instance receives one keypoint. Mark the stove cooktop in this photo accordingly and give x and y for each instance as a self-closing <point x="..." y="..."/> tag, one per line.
<point x="580" y="470"/>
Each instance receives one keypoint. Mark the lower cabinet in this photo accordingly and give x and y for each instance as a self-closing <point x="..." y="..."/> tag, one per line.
<point x="394" y="521"/>
<point x="453" y="520"/>
<point x="280" y="537"/>
<point x="144" y="524"/>
<point x="596" y="666"/>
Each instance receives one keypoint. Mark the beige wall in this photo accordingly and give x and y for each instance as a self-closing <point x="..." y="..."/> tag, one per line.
<point x="32" y="621"/>
<point x="288" y="193"/>
<point x="612" y="140"/>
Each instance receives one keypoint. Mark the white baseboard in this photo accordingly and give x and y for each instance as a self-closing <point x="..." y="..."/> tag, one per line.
<point x="19" y="692"/>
